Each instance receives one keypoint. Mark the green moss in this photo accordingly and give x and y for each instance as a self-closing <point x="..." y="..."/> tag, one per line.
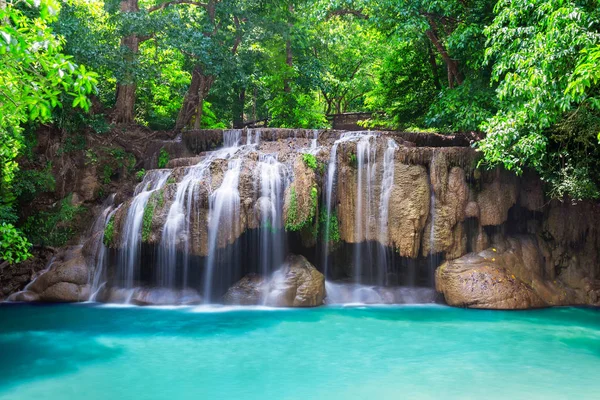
<point x="109" y="232"/>
<point x="292" y="223"/>
<point x="310" y="161"/>
<point x="160" y="198"/>
<point x="140" y="175"/>
<point x="163" y="158"/>
<point x="147" y="220"/>
<point x="353" y="160"/>
<point x="171" y="180"/>
<point x="334" y="225"/>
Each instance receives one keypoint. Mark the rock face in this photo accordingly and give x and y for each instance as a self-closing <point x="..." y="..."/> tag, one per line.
<point x="512" y="274"/>
<point x="296" y="284"/>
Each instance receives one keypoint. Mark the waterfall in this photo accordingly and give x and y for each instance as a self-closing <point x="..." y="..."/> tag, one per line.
<point x="432" y="265"/>
<point x="223" y="220"/>
<point x="314" y="140"/>
<point x="366" y="168"/>
<point x="98" y="279"/>
<point x="387" y="183"/>
<point x="132" y="236"/>
<point x="253" y="137"/>
<point x="331" y="170"/>
<point x="274" y="178"/>
<point x="177" y="225"/>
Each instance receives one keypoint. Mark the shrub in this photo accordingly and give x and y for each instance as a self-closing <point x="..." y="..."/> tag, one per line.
<point x="163" y="158"/>
<point x="14" y="247"/>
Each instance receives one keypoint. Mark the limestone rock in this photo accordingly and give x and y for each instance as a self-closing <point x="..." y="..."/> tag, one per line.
<point x="477" y="282"/>
<point x="515" y="273"/>
<point x="451" y="199"/>
<point x="249" y="291"/>
<point x="66" y="280"/>
<point x="497" y="197"/>
<point x="296" y="284"/>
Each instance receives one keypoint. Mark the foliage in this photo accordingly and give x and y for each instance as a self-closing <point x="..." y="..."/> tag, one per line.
<point x="149" y="215"/>
<point x="293" y="224"/>
<point x="163" y="158"/>
<point x="109" y="232"/>
<point x="14" y="248"/>
<point x="333" y="233"/>
<point x="310" y="160"/>
<point x="140" y="174"/>
<point x="542" y="65"/>
<point x="55" y="227"/>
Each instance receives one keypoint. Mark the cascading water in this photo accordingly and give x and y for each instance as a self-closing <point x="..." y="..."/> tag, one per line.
<point x="177" y="225"/>
<point x="274" y="178"/>
<point x="366" y="167"/>
<point x="387" y="184"/>
<point x="132" y="236"/>
<point x="98" y="278"/>
<point x="223" y="221"/>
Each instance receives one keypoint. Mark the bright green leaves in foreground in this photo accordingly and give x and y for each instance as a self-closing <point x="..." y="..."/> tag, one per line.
<point x="34" y="77"/>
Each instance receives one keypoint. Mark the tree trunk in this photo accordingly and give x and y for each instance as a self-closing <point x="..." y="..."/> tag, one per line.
<point x="289" y="56"/>
<point x="125" y="101"/>
<point x="194" y="100"/>
<point x="238" y="109"/>
<point x="454" y="74"/>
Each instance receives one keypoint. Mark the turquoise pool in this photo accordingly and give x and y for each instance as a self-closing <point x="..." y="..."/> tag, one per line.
<point x="417" y="352"/>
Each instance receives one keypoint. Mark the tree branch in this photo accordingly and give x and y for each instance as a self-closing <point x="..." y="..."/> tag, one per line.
<point x="174" y="2"/>
<point x="344" y="11"/>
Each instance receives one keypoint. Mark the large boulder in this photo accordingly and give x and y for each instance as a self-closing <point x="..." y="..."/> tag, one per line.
<point x="297" y="284"/>
<point x="515" y="273"/>
<point x="475" y="281"/>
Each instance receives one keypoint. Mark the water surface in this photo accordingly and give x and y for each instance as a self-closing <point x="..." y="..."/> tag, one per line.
<point x="416" y="352"/>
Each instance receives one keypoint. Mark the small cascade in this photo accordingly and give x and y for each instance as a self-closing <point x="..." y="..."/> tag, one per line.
<point x="253" y="137"/>
<point x="366" y="168"/>
<point x="387" y="184"/>
<point x="132" y="236"/>
<point x="232" y="138"/>
<point x="329" y="190"/>
<point x="98" y="278"/>
<point x="274" y="177"/>
<point x="432" y="258"/>
<point x="223" y="221"/>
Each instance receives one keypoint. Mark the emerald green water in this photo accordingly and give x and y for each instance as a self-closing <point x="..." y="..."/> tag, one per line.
<point x="91" y="352"/>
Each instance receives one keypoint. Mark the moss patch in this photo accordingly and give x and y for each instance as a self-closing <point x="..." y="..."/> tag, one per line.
<point x="293" y="224"/>
<point x="109" y="232"/>
<point x="310" y="161"/>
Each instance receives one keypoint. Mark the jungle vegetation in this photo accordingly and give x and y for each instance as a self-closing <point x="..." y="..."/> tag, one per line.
<point x="523" y="75"/>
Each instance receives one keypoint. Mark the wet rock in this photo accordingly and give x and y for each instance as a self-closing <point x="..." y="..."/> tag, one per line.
<point x="474" y="281"/>
<point x="249" y="291"/>
<point x="515" y="273"/>
<point x="296" y="284"/>
<point x="66" y="280"/>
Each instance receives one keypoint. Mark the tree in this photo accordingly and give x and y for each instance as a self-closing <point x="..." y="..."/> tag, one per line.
<point x="547" y="87"/>
<point x="34" y="76"/>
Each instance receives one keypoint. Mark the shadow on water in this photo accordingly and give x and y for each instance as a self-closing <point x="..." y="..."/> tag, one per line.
<point x="27" y="355"/>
